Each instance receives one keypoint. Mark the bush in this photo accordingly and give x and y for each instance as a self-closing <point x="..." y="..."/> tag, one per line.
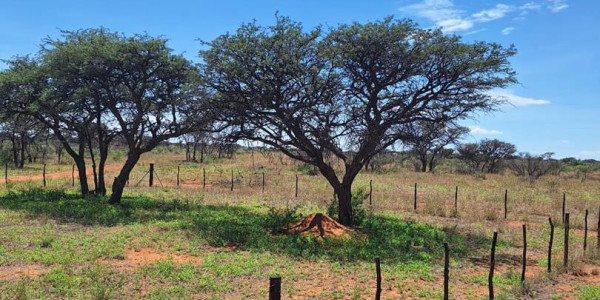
<point x="279" y="220"/>
<point x="359" y="213"/>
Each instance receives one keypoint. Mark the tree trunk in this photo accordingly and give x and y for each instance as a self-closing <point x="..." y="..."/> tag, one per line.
<point x="194" y="151"/>
<point x="423" y="160"/>
<point x="121" y="179"/>
<point x="344" y="195"/>
<point x="101" y="189"/>
<point x="93" y="158"/>
<point x="80" y="163"/>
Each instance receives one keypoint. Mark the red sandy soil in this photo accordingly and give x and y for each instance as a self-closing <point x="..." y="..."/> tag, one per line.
<point x="55" y="175"/>
<point x="21" y="271"/>
<point x="320" y="225"/>
<point x="135" y="258"/>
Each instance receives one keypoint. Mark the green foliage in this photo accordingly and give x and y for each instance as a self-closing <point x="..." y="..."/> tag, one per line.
<point x="589" y="293"/>
<point x="279" y="220"/>
<point x="359" y="213"/>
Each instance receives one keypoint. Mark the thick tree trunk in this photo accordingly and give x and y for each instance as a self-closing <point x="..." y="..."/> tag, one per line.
<point x="101" y="189"/>
<point x="344" y="194"/>
<point x="121" y="179"/>
<point x="80" y="163"/>
<point x="15" y="152"/>
<point x="423" y="163"/>
<point x="194" y="151"/>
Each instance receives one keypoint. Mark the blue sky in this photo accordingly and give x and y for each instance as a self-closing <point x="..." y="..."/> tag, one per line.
<point x="555" y="105"/>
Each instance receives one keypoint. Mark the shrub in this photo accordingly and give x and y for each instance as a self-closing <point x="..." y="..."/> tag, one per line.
<point x="279" y="220"/>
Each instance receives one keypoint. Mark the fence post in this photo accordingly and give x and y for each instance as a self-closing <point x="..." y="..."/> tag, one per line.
<point x="378" y="270"/>
<point x="566" y="246"/>
<point x="263" y="182"/>
<point x="505" y="203"/>
<point x="492" y="264"/>
<point x="231" y="180"/>
<point x="73" y="175"/>
<point x="371" y="192"/>
<point x="598" y="232"/>
<point x="44" y="175"/>
<point x="177" y="175"/>
<point x="6" y="174"/>
<point x="446" y="270"/>
<point x="456" y="201"/>
<point x="415" y="201"/>
<point x="564" y="205"/>
<point x="524" y="253"/>
<point x="550" y="245"/>
<point x="275" y="288"/>
<point x="585" y="230"/>
<point x="296" y="195"/>
<point x="203" y="178"/>
<point x="151" y="175"/>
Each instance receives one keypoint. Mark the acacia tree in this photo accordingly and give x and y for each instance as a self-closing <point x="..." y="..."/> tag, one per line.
<point x="487" y="156"/>
<point x="533" y="166"/>
<point x="428" y="139"/>
<point x="26" y="88"/>
<point x="350" y="91"/>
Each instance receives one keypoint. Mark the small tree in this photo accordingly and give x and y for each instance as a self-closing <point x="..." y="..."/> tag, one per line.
<point x="428" y="139"/>
<point x="487" y="156"/>
<point x="533" y="166"/>
<point x="350" y="91"/>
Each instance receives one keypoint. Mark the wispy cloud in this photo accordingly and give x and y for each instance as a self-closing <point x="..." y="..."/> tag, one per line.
<point x="590" y="154"/>
<point x="510" y="97"/>
<point x="556" y="5"/>
<point x="480" y="130"/>
<point x="444" y="14"/>
<point x="507" y="30"/>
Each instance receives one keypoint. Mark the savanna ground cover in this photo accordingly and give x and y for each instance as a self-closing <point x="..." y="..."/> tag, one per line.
<point x="216" y="243"/>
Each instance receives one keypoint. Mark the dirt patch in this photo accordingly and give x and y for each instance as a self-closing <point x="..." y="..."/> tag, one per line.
<point x="135" y="258"/>
<point x="20" y="271"/>
<point x="320" y="225"/>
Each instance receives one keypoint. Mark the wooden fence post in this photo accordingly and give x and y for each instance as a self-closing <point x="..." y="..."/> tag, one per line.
<point x="524" y="253"/>
<point x="263" y="182"/>
<point x="275" y="288"/>
<point x="44" y="175"/>
<point x="203" y="178"/>
<point x="178" y="175"/>
<point x="73" y="175"/>
<point x="151" y="175"/>
<point x="492" y="265"/>
<point x="231" y="189"/>
<point x="505" y="203"/>
<point x="446" y="270"/>
<point x="371" y="192"/>
<point x="6" y="173"/>
<point x="296" y="195"/>
<point x="564" y="205"/>
<point x="598" y="232"/>
<point x="550" y="245"/>
<point x="585" y="230"/>
<point x="456" y="201"/>
<point x="566" y="246"/>
<point x="415" y="201"/>
<point x="378" y="270"/>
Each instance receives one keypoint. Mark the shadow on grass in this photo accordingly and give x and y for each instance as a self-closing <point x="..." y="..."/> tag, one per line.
<point x="391" y="238"/>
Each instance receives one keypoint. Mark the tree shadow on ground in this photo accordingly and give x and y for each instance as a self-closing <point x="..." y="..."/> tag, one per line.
<point x="391" y="238"/>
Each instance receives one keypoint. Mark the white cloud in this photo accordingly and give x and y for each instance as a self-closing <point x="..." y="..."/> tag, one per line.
<point x="497" y="12"/>
<point x="556" y="5"/>
<point x="480" y="130"/>
<point x="475" y="31"/>
<point x="510" y="97"/>
<point x="590" y="154"/>
<point x="507" y="30"/>
<point x="444" y="14"/>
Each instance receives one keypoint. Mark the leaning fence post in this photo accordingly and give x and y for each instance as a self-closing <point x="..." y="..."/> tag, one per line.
<point x="492" y="264"/>
<point x="585" y="230"/>
<point x="524" y="253"/>
<point x="371" y="192"/>
<point x="566" y="246"/>
<point x="44" y="175"/>
<point x="550" y="245"/>
<point x="378" y="270"/>
<point x="151" y="175"/>
<point x="446" y="270"/>
<point x="415" y="198"/>
<point x="275" y="288"/>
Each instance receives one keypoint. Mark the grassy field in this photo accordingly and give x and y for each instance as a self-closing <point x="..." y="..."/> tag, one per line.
<point x="214" y="243"/>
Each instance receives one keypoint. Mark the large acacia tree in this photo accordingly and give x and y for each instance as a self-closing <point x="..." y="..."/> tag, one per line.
<point x="350" y="91"/>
